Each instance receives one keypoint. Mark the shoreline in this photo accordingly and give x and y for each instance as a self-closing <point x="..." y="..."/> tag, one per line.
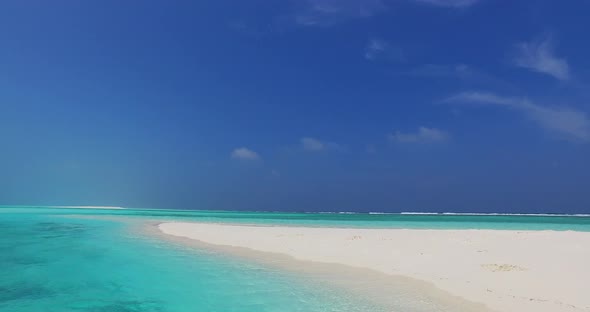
<point x="503" y="270"/>
<point x="390" y="292"/>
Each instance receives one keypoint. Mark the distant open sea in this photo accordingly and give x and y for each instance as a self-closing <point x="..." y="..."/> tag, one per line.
<point x="68" y="259"/>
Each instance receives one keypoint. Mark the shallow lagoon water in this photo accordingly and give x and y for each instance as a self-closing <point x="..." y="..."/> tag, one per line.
<point x="54" y="259"/>
<point x="57" y="263"/>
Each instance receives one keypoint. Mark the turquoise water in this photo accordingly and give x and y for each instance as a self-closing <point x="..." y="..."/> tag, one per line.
<point x="439" y="221"/>
<point x="55" y="259"/>
<point x="50" y="262"/>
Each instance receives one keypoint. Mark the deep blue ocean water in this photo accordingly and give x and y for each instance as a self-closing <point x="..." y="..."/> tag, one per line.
<point x="55" y="259"/>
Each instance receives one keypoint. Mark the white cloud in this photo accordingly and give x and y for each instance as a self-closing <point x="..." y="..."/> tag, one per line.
<point x="244" y="154"/>
<point x="381" y="49"/>
<point x="315" y="145"/>
<point x="538" y="56"/>
<point x="450" y="3"/>
<point x="312" y="144"/>
<point x="568" y="123"/>
<point x="461" y="71"/>
<point x="327" y="13"/>
<point x="330" y="12"/>
<point x="423" y="135"/>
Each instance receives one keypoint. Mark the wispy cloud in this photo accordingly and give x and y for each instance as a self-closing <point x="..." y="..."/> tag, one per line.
<point x="461" y="71"/>
<point x="450" y="3"/>
<point x="327" y="13"/>
<point x="469" y="76"/>
<point x="538" y="56"/>
<point x="567" y="123"/>
<point x="377" y="49"/>
<point x="423" y="135"/>
<point x="330" y="12"/>
<point x="244" y="154"/>
<point x="315" y="145"/>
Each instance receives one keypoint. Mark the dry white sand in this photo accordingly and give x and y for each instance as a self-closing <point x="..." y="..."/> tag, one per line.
<point x="508" y="271"/>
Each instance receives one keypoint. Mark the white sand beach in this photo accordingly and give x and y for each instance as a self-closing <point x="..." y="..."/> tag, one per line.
<point x="507" y="271"/>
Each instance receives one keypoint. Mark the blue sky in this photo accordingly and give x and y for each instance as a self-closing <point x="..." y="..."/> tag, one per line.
<point x="315" y="105"/>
